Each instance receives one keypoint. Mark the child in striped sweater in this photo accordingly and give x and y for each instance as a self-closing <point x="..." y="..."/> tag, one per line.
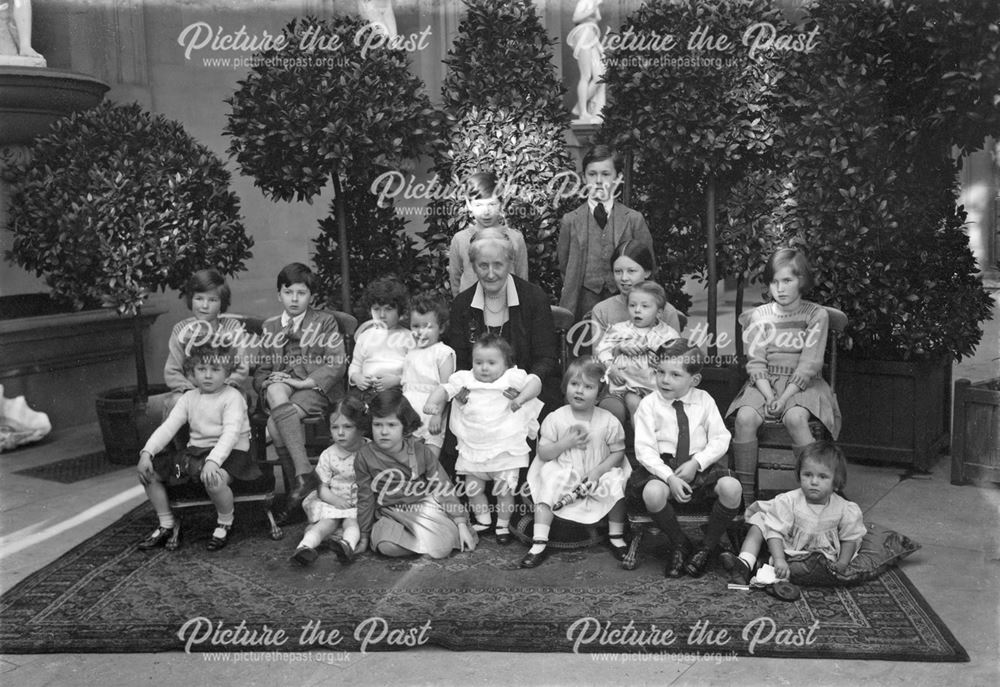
<point x="786" y="339"/>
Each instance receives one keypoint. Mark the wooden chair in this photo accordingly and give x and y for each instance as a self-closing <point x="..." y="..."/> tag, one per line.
<point x="261" y="490"/>
<point x="563" y="321"/>
<point x="317" y="428"/>
<point x="314" y="427"/>
<point x="775" y="470"/>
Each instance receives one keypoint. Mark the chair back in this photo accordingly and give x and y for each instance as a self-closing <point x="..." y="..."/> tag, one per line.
<point x="563" y="321"/>
<point x="837" y="325"/>
<point x="348" y="326"/>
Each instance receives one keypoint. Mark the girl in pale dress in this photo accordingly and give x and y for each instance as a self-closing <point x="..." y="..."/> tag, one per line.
<point x="334" y="504"/>
<point x="380" y="349"/>
<point x="579" y="444"/>
<point x="492" y="423"/>
<point x="813" y="518"/>
<point x="428" y="365"/>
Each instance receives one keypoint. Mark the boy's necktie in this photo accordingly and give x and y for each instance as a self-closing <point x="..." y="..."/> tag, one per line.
<point x="601" y="215"/>
<point x="683" y="451"/>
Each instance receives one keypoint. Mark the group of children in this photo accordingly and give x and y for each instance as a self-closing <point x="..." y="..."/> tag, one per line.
<point x="381" y="485"/>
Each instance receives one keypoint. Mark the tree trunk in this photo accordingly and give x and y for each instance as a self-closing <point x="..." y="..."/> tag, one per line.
<point x="738" y="330"/>
<point x="142" y="382"/>
<point x="345" y="264"/>
<point x="713" y="278"/>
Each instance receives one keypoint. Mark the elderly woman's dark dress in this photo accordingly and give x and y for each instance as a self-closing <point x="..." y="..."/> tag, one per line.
<point x="529" y="330"/>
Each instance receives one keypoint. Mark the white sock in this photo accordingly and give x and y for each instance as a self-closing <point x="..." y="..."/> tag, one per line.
<point x="539" y="532"/>
<point x="166" y="520"/>
<point x="502" y="526"/>
<point x="311" y="539"/>
<point x="748" y="558"/>
<point x="616" y="531"/>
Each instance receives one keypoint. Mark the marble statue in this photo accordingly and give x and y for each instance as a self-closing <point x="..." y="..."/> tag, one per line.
<point x="585" y="39"/>
<point x="15" y="35"/>
<point x="379" y="12"/>
<point x="19" y="424"/>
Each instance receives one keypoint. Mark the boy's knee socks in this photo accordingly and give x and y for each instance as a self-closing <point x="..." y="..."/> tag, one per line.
<point x="666" y="520"/>
<point x="286" y="419"/>
<point x="745" y="466"/>
<point x="718" y="522"/>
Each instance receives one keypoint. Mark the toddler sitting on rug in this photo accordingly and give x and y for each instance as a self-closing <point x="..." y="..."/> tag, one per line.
<point x="812" y="518"/>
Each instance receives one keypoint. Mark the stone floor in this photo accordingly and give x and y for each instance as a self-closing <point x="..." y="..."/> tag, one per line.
<point x="958" y="571"/>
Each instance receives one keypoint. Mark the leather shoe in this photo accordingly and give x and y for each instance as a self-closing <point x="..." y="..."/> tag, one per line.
<point x="618" y="552"/>
<point x="304" y="484"/>
<point x="503" y="538"/>
<point x="343" y="550"/>
<point x="304" y="555"/>
<point x="697" y="563"/>
<point x="733" y="563"/>
<point x="533" y="560"/>
<point x="159" y="537"/>
<point x="217" y="542"/>
<point x="675" y="567"/>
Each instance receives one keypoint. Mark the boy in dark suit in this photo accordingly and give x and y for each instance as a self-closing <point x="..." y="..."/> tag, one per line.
<point x="301" y="374"/>
<point x="589" y="234"/>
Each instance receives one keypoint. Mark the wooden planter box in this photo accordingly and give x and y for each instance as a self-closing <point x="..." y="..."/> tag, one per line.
<point x="894" y="411"/>
<point x="975" y="447"/>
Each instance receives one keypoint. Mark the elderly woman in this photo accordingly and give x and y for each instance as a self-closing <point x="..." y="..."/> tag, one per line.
<point x="508" y="306"/>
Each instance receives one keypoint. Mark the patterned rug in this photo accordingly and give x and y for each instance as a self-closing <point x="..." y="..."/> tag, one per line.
<point x="107" y="596"/>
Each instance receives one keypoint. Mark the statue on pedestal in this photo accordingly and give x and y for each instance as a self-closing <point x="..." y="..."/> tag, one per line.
<point x="585" y="39"/>
<point x="15" y="35"/>
<point x="379" y="12"/>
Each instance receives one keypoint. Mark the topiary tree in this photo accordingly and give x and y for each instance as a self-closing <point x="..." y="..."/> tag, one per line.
<point x="383" y="247"/>
<point x="503" y="113"/>
<point x="695" y="128"/>
<point x="305" y="117"/>
<point x="877" y="108"/>
<point x="114" y="204"/>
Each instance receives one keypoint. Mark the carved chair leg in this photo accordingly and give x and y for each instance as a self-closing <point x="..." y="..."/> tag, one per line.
<point x="631" y="557"/>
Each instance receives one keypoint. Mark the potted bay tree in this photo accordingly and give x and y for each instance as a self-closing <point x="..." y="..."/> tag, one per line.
<point x="113" y="204"/>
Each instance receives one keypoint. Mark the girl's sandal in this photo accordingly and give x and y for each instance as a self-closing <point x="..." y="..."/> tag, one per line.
<point x="219" y="542"/>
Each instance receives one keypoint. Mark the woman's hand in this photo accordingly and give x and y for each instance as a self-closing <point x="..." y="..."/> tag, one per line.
<point x="466" y="537"/>
<point x="145" y="468"/>
<point x="433" y="408"/>
<point x="615" y="375"/>
<point x="631" y="349"/>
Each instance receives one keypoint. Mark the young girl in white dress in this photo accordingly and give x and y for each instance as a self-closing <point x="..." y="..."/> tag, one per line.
<point x="496" y="413"/>
<point x="579" y="443"/>
<point x="812" y="518"/>
<point x="380" y="349"/>
<point x="334" y="503"/>
<point x="427" y="366"/>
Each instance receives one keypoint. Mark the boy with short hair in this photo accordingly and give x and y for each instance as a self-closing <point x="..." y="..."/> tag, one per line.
<point x="679" y="440"/>
<point x="301" y="372"/>
<point x="589" y="234"/>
